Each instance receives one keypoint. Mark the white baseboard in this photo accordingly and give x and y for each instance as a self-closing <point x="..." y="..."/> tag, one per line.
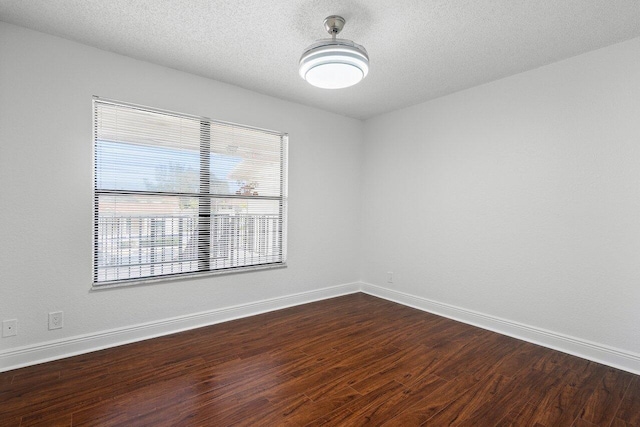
<point x="59" y="349"/>
<point x="600" y="353"/>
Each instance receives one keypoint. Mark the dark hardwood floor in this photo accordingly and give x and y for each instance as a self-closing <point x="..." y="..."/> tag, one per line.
<point x="353" y="360"/>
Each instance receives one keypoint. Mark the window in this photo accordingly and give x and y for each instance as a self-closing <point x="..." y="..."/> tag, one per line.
<point x="178" y="195"/>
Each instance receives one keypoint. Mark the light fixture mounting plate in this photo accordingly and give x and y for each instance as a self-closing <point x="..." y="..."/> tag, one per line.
<point x="334" y="24"/>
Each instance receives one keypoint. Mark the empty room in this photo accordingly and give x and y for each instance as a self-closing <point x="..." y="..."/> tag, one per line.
<point x="306" y="213"/>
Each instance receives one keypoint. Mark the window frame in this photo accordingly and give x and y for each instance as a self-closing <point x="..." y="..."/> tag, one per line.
<point x="204" y="185"/>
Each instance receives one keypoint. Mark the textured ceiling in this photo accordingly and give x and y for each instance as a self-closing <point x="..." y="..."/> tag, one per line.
<point x="419" y="49"/>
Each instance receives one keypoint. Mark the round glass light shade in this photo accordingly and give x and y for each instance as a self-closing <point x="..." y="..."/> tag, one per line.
<point x="334" y="63"/>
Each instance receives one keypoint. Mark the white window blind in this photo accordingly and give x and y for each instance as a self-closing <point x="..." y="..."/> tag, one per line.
<point x="180" y="195"/>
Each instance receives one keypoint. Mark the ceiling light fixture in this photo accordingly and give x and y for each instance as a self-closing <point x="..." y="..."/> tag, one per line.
<point x="334" y="63"/>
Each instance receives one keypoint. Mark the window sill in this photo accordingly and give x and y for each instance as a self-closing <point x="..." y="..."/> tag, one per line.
<point x="183" y="276"/>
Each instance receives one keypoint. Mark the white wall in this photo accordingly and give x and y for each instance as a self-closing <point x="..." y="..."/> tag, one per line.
<point x="46" y="88"/>
<point x="518" y="199"/>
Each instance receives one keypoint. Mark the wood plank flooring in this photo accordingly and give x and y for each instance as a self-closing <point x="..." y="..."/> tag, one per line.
<point x="348" y="361"/>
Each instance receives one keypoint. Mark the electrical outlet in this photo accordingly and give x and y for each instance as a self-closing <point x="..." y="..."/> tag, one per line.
<point x="9" y="328"/>
<point x="389" y="276"/>
<point x="55" y="320"/>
